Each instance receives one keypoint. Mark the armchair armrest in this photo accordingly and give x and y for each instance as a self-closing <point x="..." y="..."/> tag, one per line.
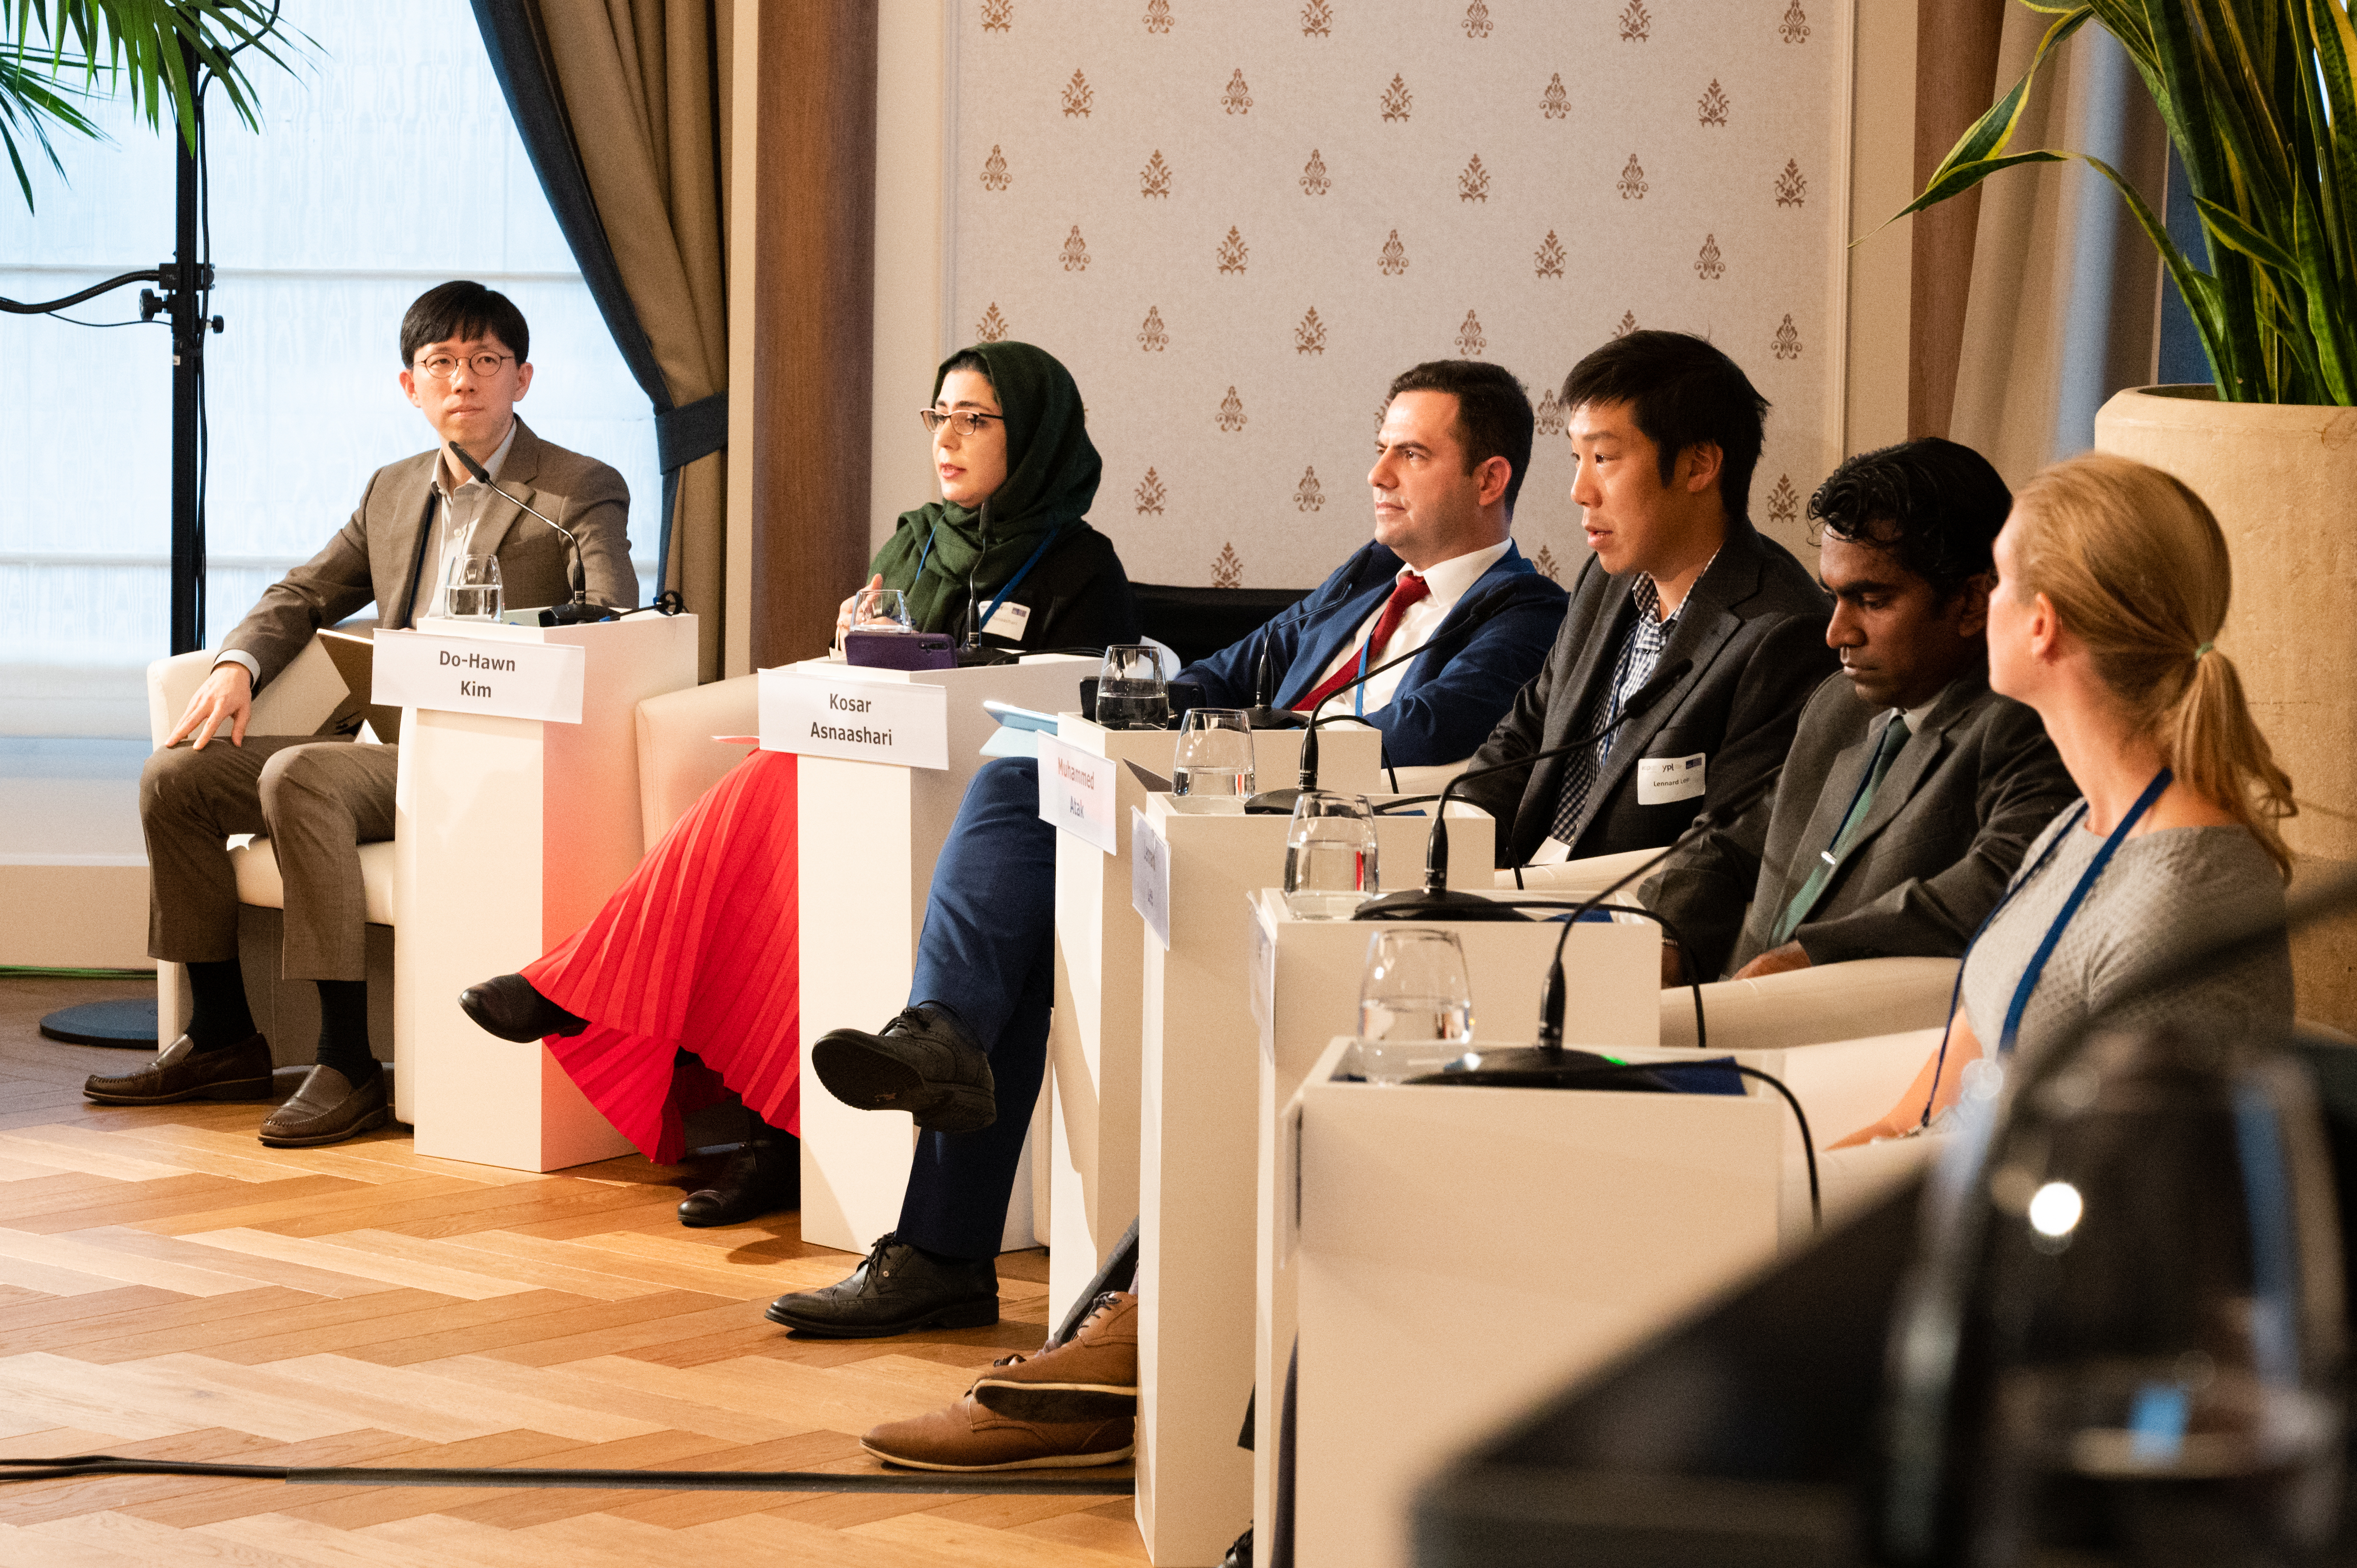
<point x="297" y="703"/>
<point x="1871" y="996"/>
<point x="678" y="758"/>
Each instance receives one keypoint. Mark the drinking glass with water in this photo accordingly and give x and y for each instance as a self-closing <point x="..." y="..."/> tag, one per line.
<point x="880" y="609"/>
<point x="1215" y="754"/>
<point x="470" y="588"/>
<point x="1414" y="995"/>
<point x="1130" y="690"/>
<point x="1330" y="856"/>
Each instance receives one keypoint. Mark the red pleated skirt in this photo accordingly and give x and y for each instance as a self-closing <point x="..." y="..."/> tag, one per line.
<point x="698" y="951"/>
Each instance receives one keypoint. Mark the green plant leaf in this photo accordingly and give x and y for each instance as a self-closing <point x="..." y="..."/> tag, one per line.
<point x="2335" y="355"/>
<point x="2226" y="225"/>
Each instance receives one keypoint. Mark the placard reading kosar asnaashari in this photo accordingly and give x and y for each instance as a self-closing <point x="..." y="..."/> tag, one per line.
<point x="903" y="723"/>
<point x="478" y="675"/>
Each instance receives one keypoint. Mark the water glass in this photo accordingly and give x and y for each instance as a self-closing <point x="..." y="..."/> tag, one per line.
<point x="470" y="588"/>
<point x="2152" y="1352"/>
<point x="880" y="609"/>
<point x="1330" y="856"/>
<point x="1215" y="754"/>
<point x="1130" y="690"/>
<point x="1414" y="994"/>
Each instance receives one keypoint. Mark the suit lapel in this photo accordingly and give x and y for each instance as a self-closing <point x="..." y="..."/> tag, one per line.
<point x="408" y="540"/>
<point x="1916" y="758"/>
<point x="1699" y="640"/>
<point x="1327" y="639"/>
<point x="515" y="475"/>
<point x="1837" y="789"/>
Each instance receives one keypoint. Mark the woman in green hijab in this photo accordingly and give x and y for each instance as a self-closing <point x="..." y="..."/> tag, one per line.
<point x="687" y="984"/>
<point x="1008" y="540"/>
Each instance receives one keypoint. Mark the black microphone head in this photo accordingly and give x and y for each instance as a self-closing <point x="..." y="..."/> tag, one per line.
<point x="472" y="466"/>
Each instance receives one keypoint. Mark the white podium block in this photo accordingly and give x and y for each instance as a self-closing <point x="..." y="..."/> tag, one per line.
<point x="869" y="835"/>
<point x="509" y="836"/>
<point x="1440" y="1293"/>
<point x="1200" y="1073"/>
<point x="1093" y="1047"/>
<point x="1305" y="986"/>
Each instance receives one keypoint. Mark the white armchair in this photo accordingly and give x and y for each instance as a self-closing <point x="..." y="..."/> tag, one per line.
<point x="297" y="703"/>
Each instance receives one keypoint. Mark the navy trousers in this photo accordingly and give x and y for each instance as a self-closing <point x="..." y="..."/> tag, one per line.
<point x="989" y="952"/>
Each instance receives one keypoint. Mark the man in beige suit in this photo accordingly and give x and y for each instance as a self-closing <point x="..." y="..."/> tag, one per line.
<point x="465" y="356"/>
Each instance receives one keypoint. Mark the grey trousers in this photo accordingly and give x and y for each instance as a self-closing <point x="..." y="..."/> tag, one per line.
<point x="318" y="800"/>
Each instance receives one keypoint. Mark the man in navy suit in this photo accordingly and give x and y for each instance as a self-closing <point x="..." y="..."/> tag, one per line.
<point x="1449" y="460"/>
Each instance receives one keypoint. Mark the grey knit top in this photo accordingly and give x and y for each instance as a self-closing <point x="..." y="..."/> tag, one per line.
<point x="2160" y="889"/>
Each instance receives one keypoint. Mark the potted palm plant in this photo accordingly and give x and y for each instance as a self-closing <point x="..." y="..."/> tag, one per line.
<point x="56" y="55"/>
<point x="2257" y="96"/>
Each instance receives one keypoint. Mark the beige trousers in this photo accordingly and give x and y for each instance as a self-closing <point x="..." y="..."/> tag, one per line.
<point x="318" y="800"/>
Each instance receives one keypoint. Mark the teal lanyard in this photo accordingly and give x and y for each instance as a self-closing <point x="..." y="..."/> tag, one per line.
<point x="1021" y="572"/>
<point x="2029" y="982"/>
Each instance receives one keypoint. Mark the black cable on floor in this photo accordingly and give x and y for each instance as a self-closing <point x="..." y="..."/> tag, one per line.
<point x="1026" y="1483"/>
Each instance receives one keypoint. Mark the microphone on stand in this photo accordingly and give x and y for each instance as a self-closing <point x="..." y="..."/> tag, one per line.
<point x="1434" y="900"/>
<point x="972" y="652"/>
<point x="1264" y="714"/>
<point x="1548" y="1065"/>
<point x="580" y="610"/>
<point x="1280" y="802"/>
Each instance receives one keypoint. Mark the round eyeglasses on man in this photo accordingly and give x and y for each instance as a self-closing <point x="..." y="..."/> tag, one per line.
<point x="482" y="366"/>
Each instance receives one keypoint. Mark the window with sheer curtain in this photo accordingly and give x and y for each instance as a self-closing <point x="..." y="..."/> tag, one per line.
<point x="386" y="165"/>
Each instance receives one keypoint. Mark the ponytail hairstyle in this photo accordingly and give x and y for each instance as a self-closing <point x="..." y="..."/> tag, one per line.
<point x="2136" y="568"/>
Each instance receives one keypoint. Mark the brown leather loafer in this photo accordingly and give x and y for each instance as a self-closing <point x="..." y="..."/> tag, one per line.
<point x="1092" y="1376"/>
<point x="180" y="1071"/>
<point x="326" y="1110"/>
<point x="965" y="1436"/>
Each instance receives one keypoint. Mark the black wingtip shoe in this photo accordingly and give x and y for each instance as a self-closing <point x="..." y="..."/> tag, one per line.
<point x="922" y="1062"/>
<point x="509" y="1008"/>
<point x="896" y="1290"/>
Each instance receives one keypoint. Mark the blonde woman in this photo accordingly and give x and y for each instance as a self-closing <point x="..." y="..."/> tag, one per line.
<point x="2111" y="585"/>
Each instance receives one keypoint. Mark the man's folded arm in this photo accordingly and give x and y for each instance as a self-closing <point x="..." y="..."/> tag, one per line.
<point x="1704" y="889"/>
<point x="2022" y="787"/>
<point x="1445" y="718"/>
<point x="597" y="514"/>
<point x="328" y="587"/>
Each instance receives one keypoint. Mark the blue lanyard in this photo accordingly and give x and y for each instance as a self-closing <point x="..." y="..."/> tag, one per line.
<point x="1021" y="572"/>
<point x="2029" y="982"/>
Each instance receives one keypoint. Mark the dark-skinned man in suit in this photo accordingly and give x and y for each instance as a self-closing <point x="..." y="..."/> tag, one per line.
<point x="1911" y="790"/>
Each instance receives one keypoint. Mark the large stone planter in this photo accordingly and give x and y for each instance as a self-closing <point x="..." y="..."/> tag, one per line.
<point x="2282" y="479"/>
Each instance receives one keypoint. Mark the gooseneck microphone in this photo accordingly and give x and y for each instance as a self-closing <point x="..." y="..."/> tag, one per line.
<point x="1274" y="803"/>
<point x="972" y="652"/>
<point x="580" y="610"/>
<point x="1264" y="714"/>
<point x="1434" y="900"/>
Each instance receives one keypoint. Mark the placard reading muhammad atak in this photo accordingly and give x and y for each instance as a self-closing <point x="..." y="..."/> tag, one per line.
<point x="1076" y="792"/>
<point x="903" y="723"/>
<point x="478" y="675"/>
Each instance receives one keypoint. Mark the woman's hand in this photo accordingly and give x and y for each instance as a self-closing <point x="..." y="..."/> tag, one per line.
<point x="843" y="617"/>
<point x="1964" y="1048"/>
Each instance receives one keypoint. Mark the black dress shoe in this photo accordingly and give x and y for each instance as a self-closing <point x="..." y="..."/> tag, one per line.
<point x="1240" y="1554"/>
<point x="895" y="1291"/>
<point x="509" y="1008"/>
<point x="180" y="1071"/>
<point x="328" y="1108"/>
<point x="923" y="1062"/>
<point x="763" y="1177"/>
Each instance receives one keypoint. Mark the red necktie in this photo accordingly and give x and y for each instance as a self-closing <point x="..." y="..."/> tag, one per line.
<point x="1412" y="590"/>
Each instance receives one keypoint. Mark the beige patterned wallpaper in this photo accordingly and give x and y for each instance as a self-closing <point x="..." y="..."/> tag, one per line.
<point x="1236" y="220"/>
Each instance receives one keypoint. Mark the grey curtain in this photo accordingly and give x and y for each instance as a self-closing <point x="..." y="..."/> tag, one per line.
<point x="617" y="102"/>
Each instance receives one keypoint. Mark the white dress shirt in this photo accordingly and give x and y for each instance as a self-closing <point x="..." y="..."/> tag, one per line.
<point x="467" y="502"/>
<point x="1447" y="583"/>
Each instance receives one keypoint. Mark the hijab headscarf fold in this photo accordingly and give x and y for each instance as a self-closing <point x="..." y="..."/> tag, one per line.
<point x="1052" y="470"/>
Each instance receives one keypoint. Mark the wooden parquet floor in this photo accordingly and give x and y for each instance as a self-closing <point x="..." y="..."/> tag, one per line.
<point x="169" y="1287"/>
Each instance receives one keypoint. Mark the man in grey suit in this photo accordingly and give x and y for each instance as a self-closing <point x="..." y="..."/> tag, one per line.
<point x="1911" y="789"/>
<point x="465" y="352"/>
<point x="1666" y="430"/>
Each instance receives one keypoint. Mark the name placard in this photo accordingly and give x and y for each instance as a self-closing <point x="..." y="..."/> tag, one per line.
<point x="1076" y="792"/>
<point x="1149" y="876"/>
<point x="905" y="724"/>
<point x="478" y="675"/>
